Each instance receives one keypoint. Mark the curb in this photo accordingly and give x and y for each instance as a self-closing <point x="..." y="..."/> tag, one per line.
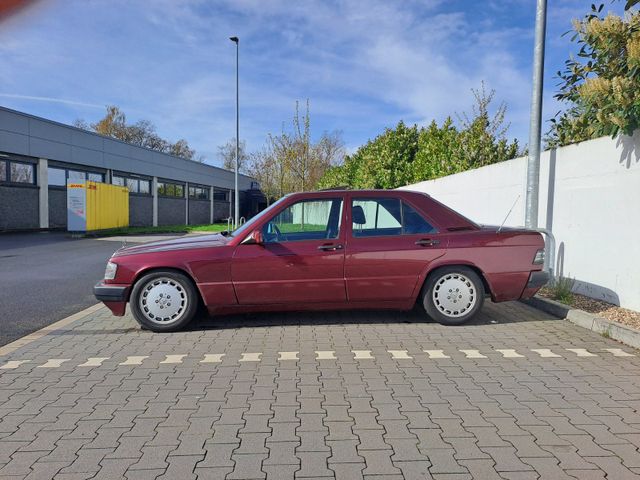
<point x="614" y="330"/>
<point x="27" y="339"/>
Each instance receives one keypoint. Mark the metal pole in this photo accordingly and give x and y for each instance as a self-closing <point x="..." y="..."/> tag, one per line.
<point x="533" y="161"/>
<point x="236" y="40"/>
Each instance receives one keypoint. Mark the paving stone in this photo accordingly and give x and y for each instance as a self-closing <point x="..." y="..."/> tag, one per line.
<point x="312" y="442"/>
<point x="344" y="451"/>
<point x="379" y="463"/>
<point x="313" y="464"/>
<point x="282" y="453"/>
<point x="279" y="472"/>
<point x="153" y="458"/>
<point x="535" y="417"/>
<point x="88" y="460"/>
<point x="181" y="467"/>
<point x="347" y="471"/>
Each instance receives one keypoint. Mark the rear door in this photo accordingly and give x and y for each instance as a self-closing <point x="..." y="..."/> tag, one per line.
<point x="301" y="259"/>
<point x="390" y="244"/>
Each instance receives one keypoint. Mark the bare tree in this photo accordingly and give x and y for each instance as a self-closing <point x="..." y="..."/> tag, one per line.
<point x="291" y="161"/>
<point x="227" y="155"/>
<point x="142" y="133"/>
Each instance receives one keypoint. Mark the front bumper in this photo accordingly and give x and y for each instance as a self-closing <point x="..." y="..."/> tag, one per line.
<point x="537" y="279"/>
<point x="110" y="293"/>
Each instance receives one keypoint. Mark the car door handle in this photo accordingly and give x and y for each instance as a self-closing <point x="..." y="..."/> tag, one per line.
<point x="427" y="242"/>
<point x="330" y="248"/>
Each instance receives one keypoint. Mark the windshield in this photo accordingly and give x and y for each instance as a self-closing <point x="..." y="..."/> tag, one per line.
<point x="247" y="227"/>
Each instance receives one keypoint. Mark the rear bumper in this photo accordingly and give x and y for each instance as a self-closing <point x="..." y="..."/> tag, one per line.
<point x="537" y="279"/>
<point x="110" y="293"/>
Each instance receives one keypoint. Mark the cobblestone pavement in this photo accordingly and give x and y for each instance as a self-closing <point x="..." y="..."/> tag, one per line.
<point x="516" y="395"/>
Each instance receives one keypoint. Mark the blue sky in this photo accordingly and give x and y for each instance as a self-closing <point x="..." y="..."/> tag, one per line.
<point x="363" y="65"/>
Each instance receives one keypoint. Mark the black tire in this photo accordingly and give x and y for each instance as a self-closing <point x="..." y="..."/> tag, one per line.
<point x="451" y="306"/>
<point x="151" y="297"/>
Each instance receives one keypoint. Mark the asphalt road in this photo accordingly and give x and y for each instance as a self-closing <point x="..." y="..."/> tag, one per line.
<point x="45" y="277"/>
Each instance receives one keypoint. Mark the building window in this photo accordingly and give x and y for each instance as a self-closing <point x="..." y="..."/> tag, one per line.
<point x="57" y="177"/>
<point x="76" y="176"/>
<point x="200" y="193"/>
<point x="21" y="173"/>
<point x="144" y="187"/>
<point x="3" y="171"/>
<point x="135" y="185"/>
<point x="221" y="195"/>
<point x="169" y="189"/>
<point x="95" y="177"/>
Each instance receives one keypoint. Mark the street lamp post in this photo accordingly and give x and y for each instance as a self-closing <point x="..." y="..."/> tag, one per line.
<point x="533" y="162"/>
<point x="236" y="40"/>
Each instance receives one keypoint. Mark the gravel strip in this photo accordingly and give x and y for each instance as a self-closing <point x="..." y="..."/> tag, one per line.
<point x="602" y="309"/>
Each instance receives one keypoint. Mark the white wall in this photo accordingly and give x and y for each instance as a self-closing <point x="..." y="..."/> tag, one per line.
<point x="589" y="199"/>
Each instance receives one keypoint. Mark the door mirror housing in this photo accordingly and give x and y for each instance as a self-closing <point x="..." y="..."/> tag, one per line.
<point x="254" y="238"/>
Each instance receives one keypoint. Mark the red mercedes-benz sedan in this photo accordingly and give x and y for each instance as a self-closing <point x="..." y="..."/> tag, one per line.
<point x="329" y="250"/>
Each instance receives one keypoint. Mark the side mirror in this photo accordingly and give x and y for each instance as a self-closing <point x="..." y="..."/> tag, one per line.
<point x="254" y="238"/>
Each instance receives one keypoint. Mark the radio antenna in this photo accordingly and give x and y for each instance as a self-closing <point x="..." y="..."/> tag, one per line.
<point x="509" y="213"/>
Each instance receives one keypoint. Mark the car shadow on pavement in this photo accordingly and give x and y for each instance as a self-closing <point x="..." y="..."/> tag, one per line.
<point x="491" y="314"/>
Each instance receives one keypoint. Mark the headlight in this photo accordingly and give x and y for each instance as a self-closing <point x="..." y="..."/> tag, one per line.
<point x="110" y="272"/>
<point x="539" y="258"/>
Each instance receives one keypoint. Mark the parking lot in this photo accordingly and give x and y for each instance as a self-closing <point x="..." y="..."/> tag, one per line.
<point x="48" y="276"/>
<point x="514" y="395"/>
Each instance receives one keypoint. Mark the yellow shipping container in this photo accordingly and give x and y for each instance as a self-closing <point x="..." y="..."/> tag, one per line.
<point x="107" y="206"/>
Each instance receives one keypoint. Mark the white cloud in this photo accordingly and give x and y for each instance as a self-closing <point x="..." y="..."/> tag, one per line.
<point x="364" y="65"/>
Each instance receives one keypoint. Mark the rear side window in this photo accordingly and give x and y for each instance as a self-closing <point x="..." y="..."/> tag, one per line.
<point x="386" y="216"/>
<point x="413" y="222"/>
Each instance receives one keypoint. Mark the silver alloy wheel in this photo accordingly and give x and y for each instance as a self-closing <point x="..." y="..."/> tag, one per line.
<point x="163" y="300"/>
<point x="454" y="295"/>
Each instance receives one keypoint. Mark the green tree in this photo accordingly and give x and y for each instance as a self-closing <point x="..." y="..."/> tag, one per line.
<point x="602" y="84"/>
<point x="408" y="154"/>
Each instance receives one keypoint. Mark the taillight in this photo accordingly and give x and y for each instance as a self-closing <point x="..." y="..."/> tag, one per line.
<point x="539" y="257"/>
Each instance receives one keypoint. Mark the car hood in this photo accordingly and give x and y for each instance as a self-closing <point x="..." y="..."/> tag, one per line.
<point x="199" y="241"/>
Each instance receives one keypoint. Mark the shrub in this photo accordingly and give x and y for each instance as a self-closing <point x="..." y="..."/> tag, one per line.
<point x="562" y="290"/>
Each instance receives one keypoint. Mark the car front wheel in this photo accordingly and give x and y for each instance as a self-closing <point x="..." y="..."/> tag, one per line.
<point x="164" y="301"/>
<point x="453" y="295"/>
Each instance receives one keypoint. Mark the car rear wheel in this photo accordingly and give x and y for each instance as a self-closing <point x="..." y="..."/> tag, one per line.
<point x="453" y="295"/>
<point x="164" y="301"/>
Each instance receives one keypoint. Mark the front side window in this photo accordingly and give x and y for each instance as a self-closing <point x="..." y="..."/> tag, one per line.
<point x="385" y="216"/>
<point x="305" y="220"/>
<point x="21" y="172"/>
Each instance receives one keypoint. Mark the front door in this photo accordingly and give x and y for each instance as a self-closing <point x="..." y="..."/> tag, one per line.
<point x="389" y="247"/>
<point x="301" y="259"/>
